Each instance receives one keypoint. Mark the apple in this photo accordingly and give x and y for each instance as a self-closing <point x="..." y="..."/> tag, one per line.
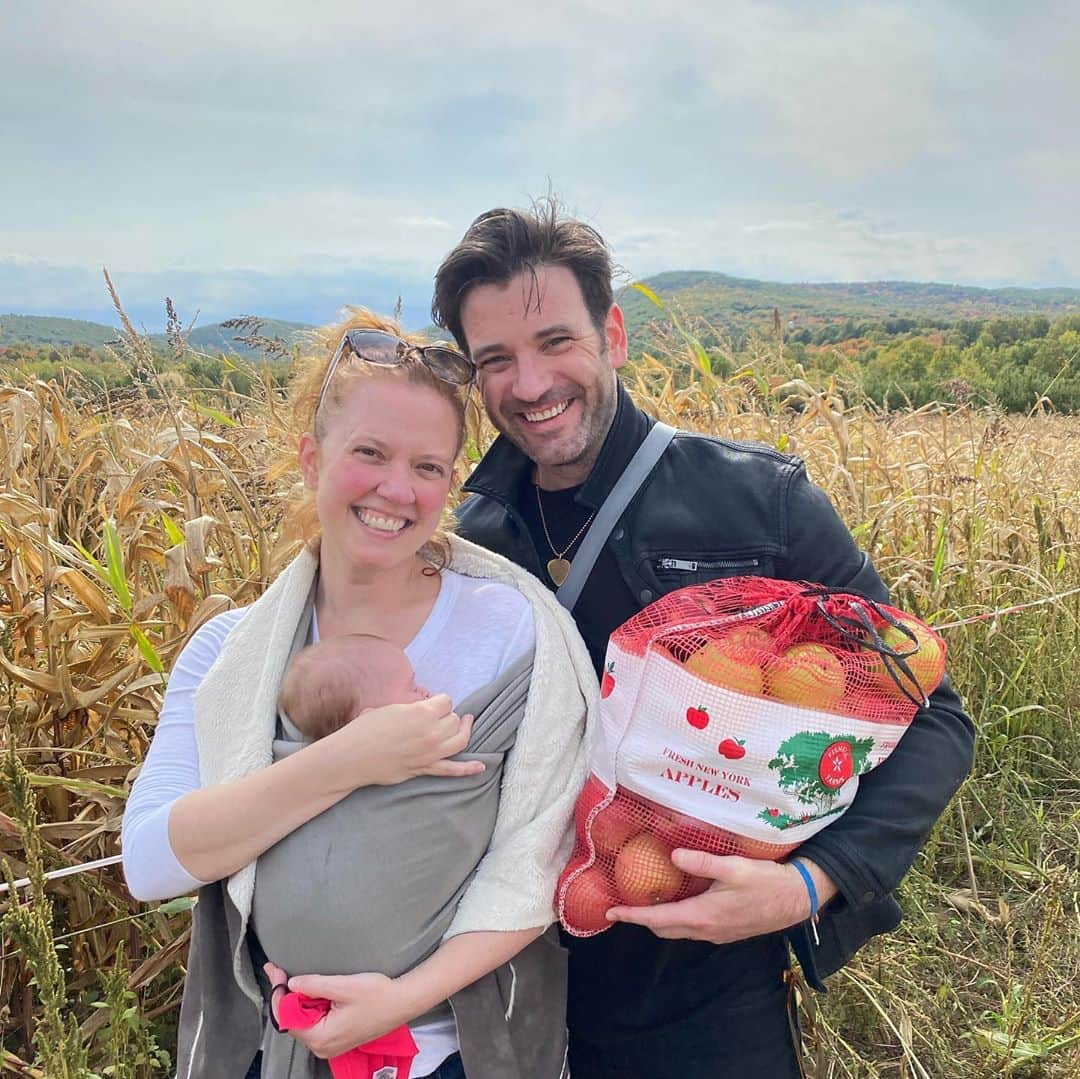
<point x="695" y="886"/>
<point x="644" y="873"/>
<point x="586" y="900"/>
<point x="733" y="749"/>
<point x="592" y="794"/>
<point x="607" y="683"/>
<point x="698" y="718"/>
<point x="808" y="675"/>
<point x="750" y="637"/>
<point x="615" y="824"/>
<point x="927" y="663"/>
<point x="675" y="829"/>
<point x="729" y="666"/>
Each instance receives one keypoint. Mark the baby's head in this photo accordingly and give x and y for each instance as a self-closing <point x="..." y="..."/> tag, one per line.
<point x="329" y="683"/>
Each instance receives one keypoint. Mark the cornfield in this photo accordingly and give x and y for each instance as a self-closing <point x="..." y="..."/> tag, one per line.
<point x="124" y="525"/>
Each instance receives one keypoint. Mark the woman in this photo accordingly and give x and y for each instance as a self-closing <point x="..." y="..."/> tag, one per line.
<point x="222" y="794"/>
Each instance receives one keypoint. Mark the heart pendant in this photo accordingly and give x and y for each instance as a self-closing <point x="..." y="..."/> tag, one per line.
<point x="558" y="569"/>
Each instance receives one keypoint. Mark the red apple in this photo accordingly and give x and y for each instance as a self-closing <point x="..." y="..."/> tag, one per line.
<point x="586" y="901"/>
<point x="644" y="873"/>
<point x="615" y="824"/>
<point x="695" y="886"/>
<point x="698" y="718"/>
<point x="592" y="794"/>
<point x="607" y="683"/>
<point x="733" y="749"/>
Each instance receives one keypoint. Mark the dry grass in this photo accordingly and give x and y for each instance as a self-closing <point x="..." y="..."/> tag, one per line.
<point x="120" y="532"/>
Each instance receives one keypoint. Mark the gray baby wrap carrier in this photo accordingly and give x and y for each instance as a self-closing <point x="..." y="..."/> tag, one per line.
<point x="372" y="884"/>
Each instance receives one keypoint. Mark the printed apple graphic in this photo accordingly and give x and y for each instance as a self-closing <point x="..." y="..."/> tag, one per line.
<point x="586" y="901"/>
<point x="808" y="675"/>
<point x="607" y="683"/>
<point x="773" y="812"/>
<point x="729" y="666"/>
<point x="644" y="873"/>
<point x="733" y="749"/>
<point x="698" y="718"/>
<point x="614" y="825"/>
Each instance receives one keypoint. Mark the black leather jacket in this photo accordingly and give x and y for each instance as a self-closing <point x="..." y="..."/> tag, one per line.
<point x="716" y="508"/>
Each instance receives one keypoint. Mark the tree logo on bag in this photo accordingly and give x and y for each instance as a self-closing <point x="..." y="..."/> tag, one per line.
<point x="813" y="766"/>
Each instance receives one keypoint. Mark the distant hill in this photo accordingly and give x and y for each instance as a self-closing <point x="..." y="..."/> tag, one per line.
<point x="218" y="338"/>
<point x="733" y="304"/>
<point x="738" y="304"/>
<point x="65" y="332"/>
<point x="39" y="330"/>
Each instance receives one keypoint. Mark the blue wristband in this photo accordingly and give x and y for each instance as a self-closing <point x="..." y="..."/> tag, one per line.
<point x="809" y="882"/>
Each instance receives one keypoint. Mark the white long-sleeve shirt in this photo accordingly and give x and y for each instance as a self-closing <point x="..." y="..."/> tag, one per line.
<point x="476" y="629"/>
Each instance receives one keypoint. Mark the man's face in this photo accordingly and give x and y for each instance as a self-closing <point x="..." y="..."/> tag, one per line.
<point x="546" y="375"/>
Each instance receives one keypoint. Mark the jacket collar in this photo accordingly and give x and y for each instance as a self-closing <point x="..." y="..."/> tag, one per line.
<point x="504" y="469"/>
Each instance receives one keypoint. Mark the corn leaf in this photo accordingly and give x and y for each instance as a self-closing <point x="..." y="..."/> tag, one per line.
<point x="114" y="567"/>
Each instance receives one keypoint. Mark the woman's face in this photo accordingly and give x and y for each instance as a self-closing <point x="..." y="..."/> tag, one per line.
<point x="382" y="472"/>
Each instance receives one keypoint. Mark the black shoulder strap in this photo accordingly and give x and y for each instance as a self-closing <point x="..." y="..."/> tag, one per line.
<point x="633" y="476"/>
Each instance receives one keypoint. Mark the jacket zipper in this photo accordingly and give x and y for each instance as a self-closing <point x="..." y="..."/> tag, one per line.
<point x="687" y="566"/>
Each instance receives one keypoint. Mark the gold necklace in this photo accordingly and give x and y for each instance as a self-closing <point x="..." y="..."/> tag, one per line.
<point x="559" y="567"/>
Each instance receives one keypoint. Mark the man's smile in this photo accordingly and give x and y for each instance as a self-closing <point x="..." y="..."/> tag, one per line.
<point x="548" y="413"/>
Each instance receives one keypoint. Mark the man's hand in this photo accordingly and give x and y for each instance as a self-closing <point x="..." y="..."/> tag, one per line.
<point x="746" y="899"/>
<point x="362" y="1007"/>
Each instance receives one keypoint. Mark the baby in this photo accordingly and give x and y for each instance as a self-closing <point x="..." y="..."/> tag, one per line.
<point x="330" y="683"/>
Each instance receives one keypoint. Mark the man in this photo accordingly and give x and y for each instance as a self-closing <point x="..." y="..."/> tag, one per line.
<point x="696" y="987"/>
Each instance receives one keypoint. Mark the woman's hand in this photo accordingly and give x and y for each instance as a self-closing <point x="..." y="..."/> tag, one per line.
<point x="362" y="1007"/>
<point x="400" y="741"/>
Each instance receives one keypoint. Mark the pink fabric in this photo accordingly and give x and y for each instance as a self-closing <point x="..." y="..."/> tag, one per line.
<point x="393" y="1050"/>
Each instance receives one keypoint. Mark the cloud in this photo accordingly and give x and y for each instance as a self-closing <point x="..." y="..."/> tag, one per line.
<point x="226" y="136"/>
<point x="815" y="243"/>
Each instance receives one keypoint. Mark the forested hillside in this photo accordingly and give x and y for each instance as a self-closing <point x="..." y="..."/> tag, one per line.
<point x="895" y="343"/>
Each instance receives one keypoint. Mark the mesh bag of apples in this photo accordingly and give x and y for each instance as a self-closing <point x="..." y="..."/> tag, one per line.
<point x="736" y="718"/>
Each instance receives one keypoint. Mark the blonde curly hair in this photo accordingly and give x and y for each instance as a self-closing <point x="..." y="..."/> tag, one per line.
<point x="301" y="520"/>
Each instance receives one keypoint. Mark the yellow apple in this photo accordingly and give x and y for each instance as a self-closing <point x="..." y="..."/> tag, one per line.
<point x="728" y="666"/>
<point x="644" y="873"/>
<point x="927" y="664"/>
<point x="808" y="675"/>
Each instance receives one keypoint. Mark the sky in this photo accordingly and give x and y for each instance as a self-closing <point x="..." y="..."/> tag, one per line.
<point x="287" y="158"/>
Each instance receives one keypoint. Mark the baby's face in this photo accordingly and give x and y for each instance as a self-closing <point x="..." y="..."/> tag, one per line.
<point x="401" y="687"/>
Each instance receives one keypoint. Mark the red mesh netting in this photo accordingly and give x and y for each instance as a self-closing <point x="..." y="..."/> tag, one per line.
<point x="736" y="718"/>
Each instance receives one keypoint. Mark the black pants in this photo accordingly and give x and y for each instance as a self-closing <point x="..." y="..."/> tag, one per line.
<point x="645" y="1008"/>
<point x="750" y="1038"/>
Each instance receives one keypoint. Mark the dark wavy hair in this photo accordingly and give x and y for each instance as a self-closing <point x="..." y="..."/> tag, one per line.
<point x="501" y="244"/>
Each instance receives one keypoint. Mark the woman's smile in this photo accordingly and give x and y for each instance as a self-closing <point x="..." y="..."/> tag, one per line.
<point x="380" y="521"/>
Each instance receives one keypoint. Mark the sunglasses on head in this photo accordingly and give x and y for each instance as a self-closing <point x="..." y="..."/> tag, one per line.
<point x="388" y="350"/>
